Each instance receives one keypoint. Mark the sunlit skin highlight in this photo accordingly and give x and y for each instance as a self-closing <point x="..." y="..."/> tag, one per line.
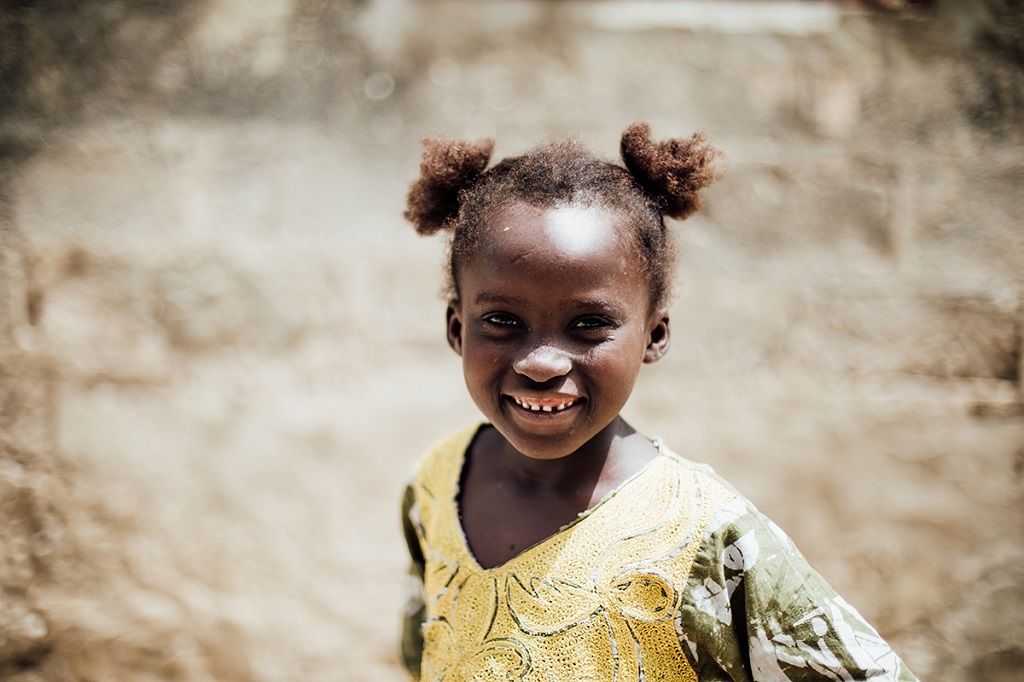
<point x="553" y="321"/>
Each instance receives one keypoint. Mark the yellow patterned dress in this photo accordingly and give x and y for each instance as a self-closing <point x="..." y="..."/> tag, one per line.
<point x="673" y="576"/>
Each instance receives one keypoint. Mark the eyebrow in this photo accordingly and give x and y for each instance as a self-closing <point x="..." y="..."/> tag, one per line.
<point x="586" y="303"/>
<point x="495" y="298"/>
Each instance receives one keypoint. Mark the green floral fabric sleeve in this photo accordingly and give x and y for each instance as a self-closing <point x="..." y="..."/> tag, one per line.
<point x="415" y="609"/>
<point x="755" y="611"/>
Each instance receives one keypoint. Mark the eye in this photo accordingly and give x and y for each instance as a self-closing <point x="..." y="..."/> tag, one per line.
<point x="592" y="323"/>
<point x="501" y="320"/>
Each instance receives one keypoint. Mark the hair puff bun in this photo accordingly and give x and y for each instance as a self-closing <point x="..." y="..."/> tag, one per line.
<point x="447" y="167"/>
<point x="674" y="171"/>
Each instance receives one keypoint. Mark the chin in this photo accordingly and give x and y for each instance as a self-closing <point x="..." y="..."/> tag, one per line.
<point x="542" y="435"/>
<point x="541" y="446"/>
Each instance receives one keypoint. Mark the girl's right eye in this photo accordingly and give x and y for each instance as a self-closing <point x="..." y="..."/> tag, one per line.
<point x="502" y="320"/>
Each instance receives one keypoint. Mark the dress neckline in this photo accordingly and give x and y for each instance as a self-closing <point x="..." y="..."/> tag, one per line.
<point x="456" y="487"/>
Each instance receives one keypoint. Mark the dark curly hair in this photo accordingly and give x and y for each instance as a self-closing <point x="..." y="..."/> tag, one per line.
<point x="456" y="191"/>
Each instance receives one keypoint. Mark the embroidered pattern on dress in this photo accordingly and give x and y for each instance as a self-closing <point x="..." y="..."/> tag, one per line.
<point x="580" y="605"/>
<point x="457" y="648"/>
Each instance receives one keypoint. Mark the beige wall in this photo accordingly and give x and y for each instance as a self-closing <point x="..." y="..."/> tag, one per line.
<point x="222" y="348"/>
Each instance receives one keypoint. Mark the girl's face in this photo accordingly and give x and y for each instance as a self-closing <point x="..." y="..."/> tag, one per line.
<point x="553" y="321"/>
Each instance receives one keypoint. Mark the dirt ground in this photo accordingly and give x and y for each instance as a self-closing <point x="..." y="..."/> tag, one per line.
<point x="221" y="348"/>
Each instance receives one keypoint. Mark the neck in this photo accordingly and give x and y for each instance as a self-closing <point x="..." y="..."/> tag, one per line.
<point x="602" y="463"/>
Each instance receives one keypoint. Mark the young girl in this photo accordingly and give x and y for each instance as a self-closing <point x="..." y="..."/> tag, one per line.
<point x="553" y="541"/>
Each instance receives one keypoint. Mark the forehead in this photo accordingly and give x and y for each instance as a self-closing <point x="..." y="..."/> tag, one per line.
<point x="556" y="258"/>
<point x="527" y="235"/>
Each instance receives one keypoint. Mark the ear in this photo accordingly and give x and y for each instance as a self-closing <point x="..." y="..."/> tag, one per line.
<point x="454" y="318"/>
<point x="657" y="336"/>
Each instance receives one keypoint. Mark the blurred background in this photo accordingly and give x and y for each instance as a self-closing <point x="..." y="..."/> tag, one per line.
<point x="222" y="349"/>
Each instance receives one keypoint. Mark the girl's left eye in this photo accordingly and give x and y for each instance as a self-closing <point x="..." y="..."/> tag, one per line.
<point x="591" y="323"/>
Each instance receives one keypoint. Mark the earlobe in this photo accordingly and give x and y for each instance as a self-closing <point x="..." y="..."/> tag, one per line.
<point x="657" y="337"/>
<point x="454" y="325"/>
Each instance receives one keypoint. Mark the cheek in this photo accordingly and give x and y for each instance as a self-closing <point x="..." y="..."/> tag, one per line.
<point x="619" y="367"/>
<point x="480" y="360"/>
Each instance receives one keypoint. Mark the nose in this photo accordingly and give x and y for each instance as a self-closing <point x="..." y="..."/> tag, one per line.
<point x="543" y="363"/>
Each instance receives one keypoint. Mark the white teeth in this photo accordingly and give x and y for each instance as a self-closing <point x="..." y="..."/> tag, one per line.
<point x="527" y="405"/>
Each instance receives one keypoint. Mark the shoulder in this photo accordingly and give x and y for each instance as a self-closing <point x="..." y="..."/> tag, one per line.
<point x="738" y="543"/>
<point x="724" y="506"/>
<point x="733" y="524"/>
<point x="440" y="464"/>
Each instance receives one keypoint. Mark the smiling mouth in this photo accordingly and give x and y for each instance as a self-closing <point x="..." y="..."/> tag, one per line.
<point x="544" y="404"/>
